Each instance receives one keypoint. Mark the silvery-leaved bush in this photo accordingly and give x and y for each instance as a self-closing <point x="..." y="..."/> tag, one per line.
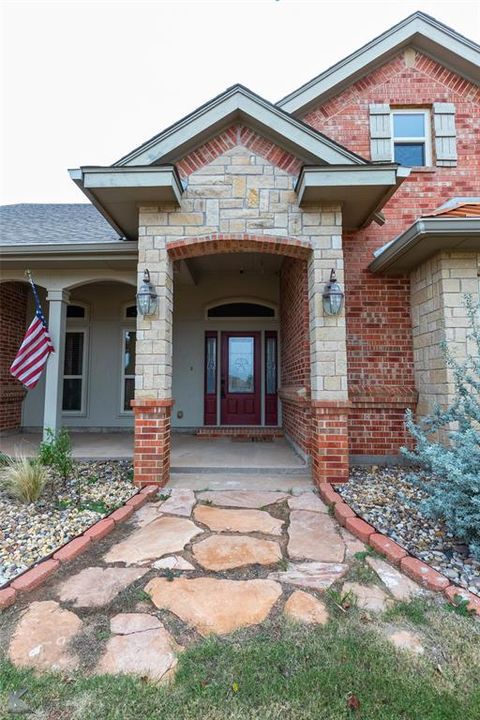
<point x="453" y="458"/>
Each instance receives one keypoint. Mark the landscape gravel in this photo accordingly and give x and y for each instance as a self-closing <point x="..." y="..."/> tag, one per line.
<point x="387" y="499"/>
<point x="30" y="532"/>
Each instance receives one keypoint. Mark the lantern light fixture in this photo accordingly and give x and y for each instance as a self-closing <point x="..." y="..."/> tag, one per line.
<point x="332" y="296"/>
<point x="146" y="296"/>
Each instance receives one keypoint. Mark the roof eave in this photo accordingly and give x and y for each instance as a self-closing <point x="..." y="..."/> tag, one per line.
<point x="362" y="191"/>
<point x="442" y="233"/>
<point x="117" y="191"/>
<point x="418" y="30"/>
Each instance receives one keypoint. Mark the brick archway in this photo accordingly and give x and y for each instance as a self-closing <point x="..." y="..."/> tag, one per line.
<point x="220" y="243"/>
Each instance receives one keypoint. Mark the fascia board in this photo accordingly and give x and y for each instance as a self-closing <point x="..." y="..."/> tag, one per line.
<point x="346" y="177"/>
<point x="420" y="229"/>
<point x="124" y="248"/>
<point x="418" y="31"/>
<point x="228" y="107"/>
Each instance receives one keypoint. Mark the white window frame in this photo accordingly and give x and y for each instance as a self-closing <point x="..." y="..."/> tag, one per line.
<point x="426" y="139"/>
<point x="123" y="376"/>
<point x="73" y="328"/>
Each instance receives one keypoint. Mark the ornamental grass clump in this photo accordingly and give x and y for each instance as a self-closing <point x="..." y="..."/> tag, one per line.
<point x="23" y="479"/>
<point x="454" y="492"/>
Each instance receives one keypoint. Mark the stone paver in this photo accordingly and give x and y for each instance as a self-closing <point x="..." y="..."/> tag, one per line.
<point x="242" y="521"/>
<point x="316" y="575"/>
<point x="180" y="502"/>
<point x="41" y="638"/>
<point x="352" y="544"/>
<point x="307" y="501"/>
<point x="406" y="640"/>
<point x="401" y="587"/>
<point x="151" y="654"/>
<point x="215" y="606"/>
<point x="303" y="607"/>
<point x="314" y="537"/>
<point x="161" y="536"/>
<point x="242" y="498"/>
<point x="173" y="562"/>
<point x="224" y="552"/>
<point x="128" y="623"/>
<point x="97" y="586"/>
<point x="368" y="597"/>
<point x="147" y="513"/>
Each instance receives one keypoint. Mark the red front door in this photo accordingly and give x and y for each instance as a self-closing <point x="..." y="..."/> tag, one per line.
<point x="240" y="378"/>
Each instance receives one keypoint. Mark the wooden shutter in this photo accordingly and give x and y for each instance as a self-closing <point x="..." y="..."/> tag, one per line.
<point x="445" y="134"/>
<point x="380" y="133"/>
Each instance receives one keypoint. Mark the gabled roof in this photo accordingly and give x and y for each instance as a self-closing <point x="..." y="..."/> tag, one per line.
<point x="239" y="104"/>
<point x="53" y="224"/>
<point x="418" y="31"/>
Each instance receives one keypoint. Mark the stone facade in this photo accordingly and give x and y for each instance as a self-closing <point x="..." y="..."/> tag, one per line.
<point x="439" y="314"/>
<point x="241" y="200"/>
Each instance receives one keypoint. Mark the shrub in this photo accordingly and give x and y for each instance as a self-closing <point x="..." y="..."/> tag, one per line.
<point x="454" y="492"/>
<point x="23" y="479"/>
<point x="56" y="452"/>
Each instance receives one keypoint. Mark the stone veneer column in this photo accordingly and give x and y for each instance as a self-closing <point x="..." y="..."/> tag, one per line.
<point x="328" y="357"/>
<point x="153" y="371"/>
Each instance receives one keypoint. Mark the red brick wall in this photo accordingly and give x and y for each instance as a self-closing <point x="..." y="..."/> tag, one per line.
<point x="295" y="352"/>
<point x="380" y="355"/>
<point x="13" y="305"/>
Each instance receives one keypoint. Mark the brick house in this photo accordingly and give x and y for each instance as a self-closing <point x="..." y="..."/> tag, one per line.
<point x="240" y="212"/>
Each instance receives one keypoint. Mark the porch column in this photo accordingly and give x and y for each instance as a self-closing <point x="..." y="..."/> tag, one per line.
<point x="328" y="357"/>
<point x="153" y="370"/>
<point x="57" y="315"/>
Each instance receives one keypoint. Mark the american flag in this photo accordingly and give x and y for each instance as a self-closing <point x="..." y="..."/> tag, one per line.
<point x="37" y="345"/>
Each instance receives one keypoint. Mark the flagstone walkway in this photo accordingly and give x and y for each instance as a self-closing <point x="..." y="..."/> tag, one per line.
<point x="192" y="564"/>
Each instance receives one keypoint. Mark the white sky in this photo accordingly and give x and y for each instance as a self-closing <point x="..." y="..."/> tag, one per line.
<point x="86" y="82"/>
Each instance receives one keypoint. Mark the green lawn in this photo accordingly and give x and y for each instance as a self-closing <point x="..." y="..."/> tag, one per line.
<point x="284" y="671"/>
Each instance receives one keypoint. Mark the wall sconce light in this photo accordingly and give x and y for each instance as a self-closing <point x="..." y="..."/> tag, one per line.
<point x="146" y="296"/>
<point x="333" y="296"/>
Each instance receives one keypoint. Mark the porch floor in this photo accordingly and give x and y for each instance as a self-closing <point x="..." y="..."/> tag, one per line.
<point x="190" y="454"/>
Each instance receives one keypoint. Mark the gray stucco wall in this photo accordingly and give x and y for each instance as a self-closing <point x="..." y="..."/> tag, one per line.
<point x="105" y="303"/>
<point x="190" y="324"/>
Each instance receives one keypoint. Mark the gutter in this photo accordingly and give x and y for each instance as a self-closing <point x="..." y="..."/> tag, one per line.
<point x="426" y="227"/>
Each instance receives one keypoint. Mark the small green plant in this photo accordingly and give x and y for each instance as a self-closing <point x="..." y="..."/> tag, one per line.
<point x="414" y="610"/>
<point x="56" y="452"/>
<point x="92" y="480"/>
<point x="163" y="496"/>
<point x="459" y="605"/>
<point x="63" y="504"/>
<point x="95" y="506"/>
<point x="142" y="595"/>
<point x="23" y="479"/>
<point x="4" y="459"/>
<point x="362" y="555"/>
<point x="207" y="502"/>
<point x="169" y="575"/>
<point x="283" y="564"/>
<point x="342" y="600"/>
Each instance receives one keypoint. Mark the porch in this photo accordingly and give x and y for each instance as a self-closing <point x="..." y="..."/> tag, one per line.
<point x="190" y="453"/>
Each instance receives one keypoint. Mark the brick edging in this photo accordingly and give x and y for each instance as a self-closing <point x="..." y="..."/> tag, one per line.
<point x="397" y="555"/>
<point x="39" y="573"/>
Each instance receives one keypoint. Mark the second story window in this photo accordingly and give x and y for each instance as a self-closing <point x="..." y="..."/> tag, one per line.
<point x="411" y="137"/>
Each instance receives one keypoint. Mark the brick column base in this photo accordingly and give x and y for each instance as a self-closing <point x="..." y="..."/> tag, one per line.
<point x="329" y="442"/>
<point x="151" y="459"/>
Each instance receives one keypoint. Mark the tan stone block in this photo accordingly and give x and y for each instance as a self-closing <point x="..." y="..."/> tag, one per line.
<point x="253" y="198"/>
<point x="188" y="218"/>
<point x="239" y="186"/>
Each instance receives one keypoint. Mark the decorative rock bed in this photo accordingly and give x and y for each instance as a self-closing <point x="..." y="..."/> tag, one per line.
<point x="29" y="533"/>
<point x="386" y="499"/>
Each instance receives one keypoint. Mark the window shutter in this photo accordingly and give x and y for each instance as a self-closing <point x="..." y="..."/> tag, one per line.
<point x="445" y="134"/>
<point x="380" y="133"/>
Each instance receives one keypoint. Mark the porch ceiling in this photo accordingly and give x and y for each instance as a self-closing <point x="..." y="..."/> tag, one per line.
<point x="241" y="263"/>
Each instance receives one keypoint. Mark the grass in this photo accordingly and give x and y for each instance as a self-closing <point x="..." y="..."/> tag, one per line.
<point x="415" y="611"/>
<point x="279" y="671"/>
<point x="23" y="479"/>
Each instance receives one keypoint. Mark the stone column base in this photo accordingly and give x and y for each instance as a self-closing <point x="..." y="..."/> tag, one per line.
<point x="329" y="442"/>
<point x="151" y="459"/>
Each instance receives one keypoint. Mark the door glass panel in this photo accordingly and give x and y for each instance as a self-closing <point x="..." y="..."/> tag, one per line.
<point x="241" y="365"/>
<point x="271" y="366"/>
<point x="129" y="393"/>
<point x="129" y="356"/>
<point x="72" y="394"/>
<point x="211" y="365"/>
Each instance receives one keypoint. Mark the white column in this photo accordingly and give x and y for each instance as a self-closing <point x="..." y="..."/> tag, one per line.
<point x="52" y="416"/>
